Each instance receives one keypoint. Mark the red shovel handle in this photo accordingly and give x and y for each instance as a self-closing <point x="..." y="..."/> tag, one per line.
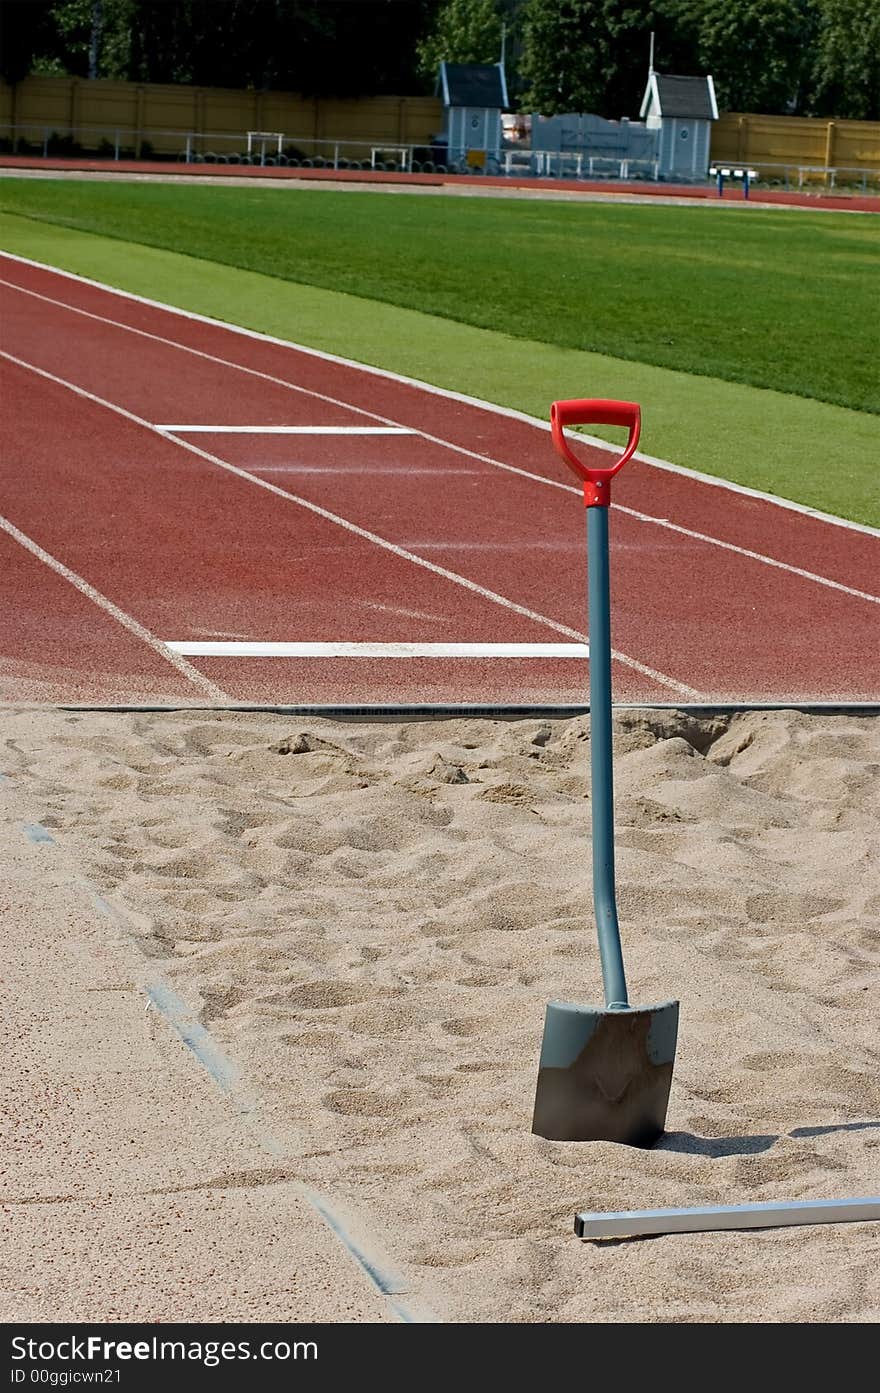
<point x="596" y="481"/>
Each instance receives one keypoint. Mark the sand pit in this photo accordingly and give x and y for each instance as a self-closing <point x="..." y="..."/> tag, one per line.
<point x="371" y="916"/>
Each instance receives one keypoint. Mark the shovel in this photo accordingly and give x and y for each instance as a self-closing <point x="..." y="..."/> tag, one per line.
<point x="604" y="1073"/>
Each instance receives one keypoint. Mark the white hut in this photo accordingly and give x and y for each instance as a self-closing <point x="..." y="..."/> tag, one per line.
<point x="681" y="110"/>
<point x="474" y="95"/>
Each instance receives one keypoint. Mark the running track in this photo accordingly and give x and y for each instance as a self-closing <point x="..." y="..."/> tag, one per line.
<point x="401" y="515"/>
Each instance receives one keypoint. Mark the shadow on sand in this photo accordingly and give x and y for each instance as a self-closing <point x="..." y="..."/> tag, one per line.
<point x="693" y="1145"/>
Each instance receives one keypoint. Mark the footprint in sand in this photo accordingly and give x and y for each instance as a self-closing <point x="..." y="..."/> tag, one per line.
<point x="219" y="1000"/>
<point x="775" y="907"/>
<point x="462" y="1026"/>
<point x="125" y="853"/>
<point x="439" y="1083"/>
<point x="313" y="1040"/>
<point x="387" y="1018"/>
<point x="360" y="1102"/>
<point x="324" y="994"/>
<point x="769" y="1062"/>
<point x="193" y="865"/>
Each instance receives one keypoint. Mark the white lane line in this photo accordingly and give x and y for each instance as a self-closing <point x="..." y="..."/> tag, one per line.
<point x="126" y="620"/>
<point x="447" y="393"/>
<point x="198" y="649"/>
<point x="753" y="555"/>
<point x="659" y="677"/>
<point x="703" y="537"/>
<point x="288" y="430"/>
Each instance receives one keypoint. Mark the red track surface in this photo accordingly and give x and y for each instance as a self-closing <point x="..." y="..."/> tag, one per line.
<point x="847" y="203"/>
<point x="186" y="549"/>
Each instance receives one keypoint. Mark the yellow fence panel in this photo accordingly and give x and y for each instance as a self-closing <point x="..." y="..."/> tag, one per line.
<point x="72" y="105"/>
<point x="796" y="140"/>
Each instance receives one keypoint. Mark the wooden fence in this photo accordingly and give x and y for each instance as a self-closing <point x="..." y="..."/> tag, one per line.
<point x="78" y="108"/>
<point x="796" y="141"/>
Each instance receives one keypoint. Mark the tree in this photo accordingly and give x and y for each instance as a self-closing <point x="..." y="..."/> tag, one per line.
<point x="846" y="72"/>
<point x="565" y="53"/>
<point x="756" y="50"/>
<point x="317" y="47"/>
<point x="464" y="31"/>
<point x="592" y="55"/>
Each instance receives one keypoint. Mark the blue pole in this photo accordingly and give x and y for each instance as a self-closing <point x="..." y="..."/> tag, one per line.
<point x="604" y="900"/>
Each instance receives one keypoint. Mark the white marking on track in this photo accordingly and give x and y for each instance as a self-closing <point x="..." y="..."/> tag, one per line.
<point x="288" y="430"/>
<point x="401" y="470"/>
<point x="659" y="677"/>
<point x="508" y="411"/>
<point x="199" y="649"/>
<point x="126" y="620"/>
<point x="703" y="537"/>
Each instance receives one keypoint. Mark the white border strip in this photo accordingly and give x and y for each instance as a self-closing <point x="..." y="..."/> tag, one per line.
<point x="288" y="430"/>
<point x="197" y="649"/>
<point x="507" y="411"/>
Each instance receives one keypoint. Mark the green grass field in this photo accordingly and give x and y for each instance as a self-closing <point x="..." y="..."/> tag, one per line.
<point x="751" y="336"/>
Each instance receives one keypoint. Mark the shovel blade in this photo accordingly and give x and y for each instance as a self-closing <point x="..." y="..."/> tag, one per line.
<point x="605" y="1075"/>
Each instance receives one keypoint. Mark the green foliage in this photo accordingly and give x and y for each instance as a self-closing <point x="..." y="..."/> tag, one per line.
<point x="810" y="57"/>
<point x="807" y="57"/>
<point x="95" y="36"/>
<point x="756" y="49"/>
<point x="317" y="47"/>
<point x="565" y="55"/>
<point x="464" y="31"/>
<point x="592" y="55"/>
<point x="846" y="73"/>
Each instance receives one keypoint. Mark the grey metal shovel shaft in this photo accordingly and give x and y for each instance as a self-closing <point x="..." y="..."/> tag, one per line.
<point x="604" y="897"/>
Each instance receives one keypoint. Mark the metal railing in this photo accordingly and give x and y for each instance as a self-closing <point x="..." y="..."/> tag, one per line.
<point x="114" y="143"/>
<point x="845" y="178"/>
<point x="217" y="147"/>
<point x="581" y="164"/>
<point x="274" y="149"/>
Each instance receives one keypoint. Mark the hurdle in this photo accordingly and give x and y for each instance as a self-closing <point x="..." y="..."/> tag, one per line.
<point x="726" y="172"/>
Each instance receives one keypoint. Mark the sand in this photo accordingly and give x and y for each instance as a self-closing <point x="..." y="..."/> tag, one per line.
<point x="369" y="918"/>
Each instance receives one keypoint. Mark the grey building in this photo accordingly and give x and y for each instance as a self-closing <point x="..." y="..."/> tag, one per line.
<point x="681" y="110"/>
<point x="623" y="148"/>
<point x="474" y="95"/>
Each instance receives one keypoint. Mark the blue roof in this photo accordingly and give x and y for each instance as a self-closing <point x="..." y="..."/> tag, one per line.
<point x="473" y="84"/>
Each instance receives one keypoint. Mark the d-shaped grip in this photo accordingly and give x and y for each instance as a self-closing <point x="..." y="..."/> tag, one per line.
<point x="596" y="481"/>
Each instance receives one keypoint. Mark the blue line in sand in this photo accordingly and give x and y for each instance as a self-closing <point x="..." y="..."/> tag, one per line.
<point x="194" y="1036"/>
<point x="386" y="1282"/>
<point x="37" y="834"/>
<point x="226" y="1076"/>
